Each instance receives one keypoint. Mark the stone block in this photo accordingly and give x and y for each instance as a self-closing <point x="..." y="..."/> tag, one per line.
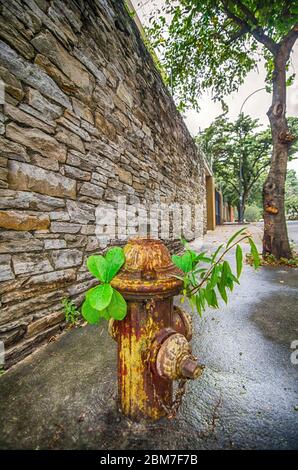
<point x="37" y="140"/>
<point x="61" y="216"/>
<point x="44" y="106"/>
<point x="58" y="77"/>
<point x="26" y="200"/>
<point x="89" y="189"/>
<point x="15" y="220"/>
<point x="72" y="140"/>
<point x="31" y="74"/>
<point x="13" y="86"/>
<point x="124" y="176"/>
<point x="47" y="45"/>
<point x="13" y="150"/>
<point x="31" y="263"/>
<point x="55" y="244"/>
<point x="66" y="258"/>
<point x="82" y="110"/>
<point x="44" y="323"/>
<point x="125" y="94"/>
<point x="74" y="128"/>
<point x="80" y="213"/>
<point x="39" y="284"/>
<point x="18" y="115"/>
<point x="12" y="36"/>
<point x="12" y="241"/>
<point x="26" y="177"/>
<point x="43" y="162"/>
<point x="76" y="173"/>
<point x="64" y="227"/>
<point x="6" y="272"/>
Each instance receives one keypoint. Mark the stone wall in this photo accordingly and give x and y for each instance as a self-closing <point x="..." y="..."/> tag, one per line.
<point x="86" y="118"/>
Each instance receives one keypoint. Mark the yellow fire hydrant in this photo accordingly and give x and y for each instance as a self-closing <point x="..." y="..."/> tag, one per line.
<point x="153" y="339"/>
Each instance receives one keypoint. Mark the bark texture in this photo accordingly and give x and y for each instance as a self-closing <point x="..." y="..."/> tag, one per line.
<point x="275" y="239"/>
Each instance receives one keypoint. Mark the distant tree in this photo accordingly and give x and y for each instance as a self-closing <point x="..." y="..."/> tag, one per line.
<point x="239" y="154"/>
<point x="252" y="214"/>
<point x="292" y="195"/>
<point x="212" y="45"/>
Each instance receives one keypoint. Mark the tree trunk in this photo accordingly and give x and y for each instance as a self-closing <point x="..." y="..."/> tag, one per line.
<point x="241" y="207"/>
<point x="240" y="212"/>
<point x="275" y="240"/>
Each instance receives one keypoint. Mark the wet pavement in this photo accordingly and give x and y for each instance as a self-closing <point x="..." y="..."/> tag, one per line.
<point x="64" y="395"/>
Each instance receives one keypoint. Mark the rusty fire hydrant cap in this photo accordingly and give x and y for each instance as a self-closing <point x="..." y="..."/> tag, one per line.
<point x="148" y="270"/>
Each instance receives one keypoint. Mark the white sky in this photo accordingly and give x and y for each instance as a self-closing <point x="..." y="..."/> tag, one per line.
<point x="256" y="106"/>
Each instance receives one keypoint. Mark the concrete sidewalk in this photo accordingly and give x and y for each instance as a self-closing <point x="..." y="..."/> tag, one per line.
<point x="63" y="396"/>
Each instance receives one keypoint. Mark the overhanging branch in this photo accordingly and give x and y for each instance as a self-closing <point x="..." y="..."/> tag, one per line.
<point x="256" y="31"/>
<point x="290" y="38"/>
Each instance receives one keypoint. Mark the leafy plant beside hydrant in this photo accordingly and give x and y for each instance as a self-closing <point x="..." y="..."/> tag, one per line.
<point x="103" y="301"/>
<point x="72" y="314"/>
<point x="203" y="284"/>
<point x="204" y="278"/>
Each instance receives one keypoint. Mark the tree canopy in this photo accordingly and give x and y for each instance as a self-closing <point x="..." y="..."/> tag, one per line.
<point x="239" y="152"/>
<point x="213" y="44"/>
<point x="239" y="148"/>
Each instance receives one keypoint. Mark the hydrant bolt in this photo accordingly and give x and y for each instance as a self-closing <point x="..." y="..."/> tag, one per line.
<point x="190" y="369"/>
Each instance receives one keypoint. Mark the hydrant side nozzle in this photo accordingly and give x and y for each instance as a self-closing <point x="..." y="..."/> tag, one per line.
<point x="174" y="359"/>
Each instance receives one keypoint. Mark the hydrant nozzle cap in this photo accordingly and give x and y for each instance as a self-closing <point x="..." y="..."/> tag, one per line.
<point x="190" y="369"/>
<point x="148" y="270"/>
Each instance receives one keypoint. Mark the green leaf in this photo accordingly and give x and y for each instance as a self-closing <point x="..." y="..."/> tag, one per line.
<point x="216" y="253"/>
<point x="97" y="266"/>
<point x="187" y="280"/>
<point x="230" y="281"/>
<point x="208" y="296"/>
<point x="90" y="314"/>
<point x="105" y="314"/>
<point x="184" y="242"/>
<point x="115" y="259"/>
<point x="235" y="279"/>
<point x="198" y="304"/>
<point x="211" y="297"/>
<point x="254" y="254"/>
<point x="183" y="262"/>
<point x="224" y="273"/>
<point x="194" y="256"/>
<point x="99" y="297"/>
<point x="202" y="257"/>
<point x="214" y="302"/>
<point x="214" y="277"/>
<point x="202" y="298"/>
<point x="117" y="308"/>
<point x="239" y="260"/>
<point x="222" y="292"/>
<point x="192" y="302"/>
<point x="235" y="236"/>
